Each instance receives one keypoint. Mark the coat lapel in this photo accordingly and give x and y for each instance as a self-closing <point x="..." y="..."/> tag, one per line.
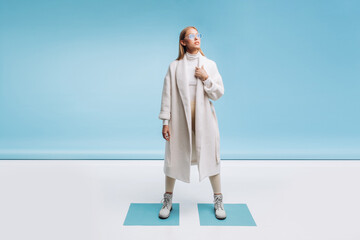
<point x="183" y="85"/>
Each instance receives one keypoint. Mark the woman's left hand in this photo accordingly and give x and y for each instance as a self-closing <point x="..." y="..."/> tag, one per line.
<point x="201" y="73"/>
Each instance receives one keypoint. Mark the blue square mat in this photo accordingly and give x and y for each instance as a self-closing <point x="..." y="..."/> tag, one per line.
<point x="147" y="214"/>
<point x="236" y="215"/>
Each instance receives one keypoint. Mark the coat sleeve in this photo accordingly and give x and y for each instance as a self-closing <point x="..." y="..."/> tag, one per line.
<point x="214" y="87"/>
<point x="166" y="99"/>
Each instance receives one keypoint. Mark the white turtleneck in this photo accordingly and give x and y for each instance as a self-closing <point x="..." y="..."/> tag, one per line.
<point x="193" y="60"/>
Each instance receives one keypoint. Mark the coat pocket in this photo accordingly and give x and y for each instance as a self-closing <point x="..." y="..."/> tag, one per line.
<point x="217" y="134"/>
<point x="167" y="154"/>
<point x="217" y="150"/>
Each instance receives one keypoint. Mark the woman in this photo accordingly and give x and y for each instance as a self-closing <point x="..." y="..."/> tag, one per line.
<point x="190" y="125"/>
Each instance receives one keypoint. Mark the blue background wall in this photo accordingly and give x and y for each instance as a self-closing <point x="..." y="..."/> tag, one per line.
<point x="83" y="79"/>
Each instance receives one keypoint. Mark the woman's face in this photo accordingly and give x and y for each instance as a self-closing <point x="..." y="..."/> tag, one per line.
<point x="191" y="45"/>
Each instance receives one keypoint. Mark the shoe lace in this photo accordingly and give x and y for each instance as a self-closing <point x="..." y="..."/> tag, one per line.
<point x="166" y="201"/>
<point x="218" y="201"/>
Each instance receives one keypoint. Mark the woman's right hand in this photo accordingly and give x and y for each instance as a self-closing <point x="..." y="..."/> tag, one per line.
<point x="166" y="132"/>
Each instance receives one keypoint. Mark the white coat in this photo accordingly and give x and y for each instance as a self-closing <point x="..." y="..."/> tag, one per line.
<point x="175" y="107"/>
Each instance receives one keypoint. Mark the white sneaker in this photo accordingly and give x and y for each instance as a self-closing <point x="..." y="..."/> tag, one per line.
<point x="167" y="206"/>
<point x="219" y="207"/>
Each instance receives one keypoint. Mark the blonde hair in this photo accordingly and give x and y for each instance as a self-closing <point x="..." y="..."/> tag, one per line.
<point x="182" y="49"/>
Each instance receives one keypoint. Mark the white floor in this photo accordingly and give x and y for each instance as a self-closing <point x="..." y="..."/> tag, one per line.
<point x="89" y="199"/>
